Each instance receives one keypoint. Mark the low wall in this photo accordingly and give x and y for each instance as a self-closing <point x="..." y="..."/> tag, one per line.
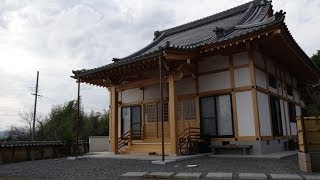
<point x="309" y="143"/>
<point x="25" y="151"/>
<point x="99" y="144"/>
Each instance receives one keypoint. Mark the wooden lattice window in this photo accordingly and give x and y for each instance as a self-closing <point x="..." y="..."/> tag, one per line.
<point x="186" y="109"/>
<point x="152" y="112"/>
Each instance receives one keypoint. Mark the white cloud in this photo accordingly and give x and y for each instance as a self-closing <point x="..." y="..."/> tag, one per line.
<point x="58" y="36"/>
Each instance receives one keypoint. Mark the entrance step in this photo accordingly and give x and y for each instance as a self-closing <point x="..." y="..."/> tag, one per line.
<point x="144" y="148"/>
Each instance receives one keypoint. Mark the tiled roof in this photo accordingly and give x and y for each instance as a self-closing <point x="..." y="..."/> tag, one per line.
<point x="229" y="24"/>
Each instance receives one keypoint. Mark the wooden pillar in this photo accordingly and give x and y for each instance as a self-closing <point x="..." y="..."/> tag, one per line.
<point x="172" y="116"/>
<point x="254" y="93"/>
<point x="114" y="119"/>
<point x="233" y="98"/>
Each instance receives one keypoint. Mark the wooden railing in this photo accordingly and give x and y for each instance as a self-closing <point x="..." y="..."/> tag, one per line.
<point x="188" y="140"/>
<point x="127" y="137"/>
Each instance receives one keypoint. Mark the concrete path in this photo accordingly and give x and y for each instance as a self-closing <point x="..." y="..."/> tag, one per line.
<point x="278" y="155"/>
<point x="226" y="176"/>
<point x="155" y="158"/>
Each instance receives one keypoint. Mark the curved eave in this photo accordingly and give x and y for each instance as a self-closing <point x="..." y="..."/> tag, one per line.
<point x="304" y="57"/>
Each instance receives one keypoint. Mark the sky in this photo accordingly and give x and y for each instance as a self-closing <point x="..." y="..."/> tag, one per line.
<point x="55" y="37"/>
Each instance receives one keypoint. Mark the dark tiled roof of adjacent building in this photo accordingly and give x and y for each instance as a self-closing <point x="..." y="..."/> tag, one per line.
<point x="236" y="22"/>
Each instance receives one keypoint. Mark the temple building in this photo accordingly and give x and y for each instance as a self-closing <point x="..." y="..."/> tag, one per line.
<point x="231" y="82"/>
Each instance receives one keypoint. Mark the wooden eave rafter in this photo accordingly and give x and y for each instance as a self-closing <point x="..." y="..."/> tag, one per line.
<point x="178" y="55"/>
<point x="115" y="76"/>
<point x="299" y="53"/>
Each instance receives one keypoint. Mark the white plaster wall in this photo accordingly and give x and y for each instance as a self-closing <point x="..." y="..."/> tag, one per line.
<point x="99" y="144"/>
<point x="293" y="127"/>
<point x="119" y="96"/>
<point x="270" y="67"/>
<point x="215" y="81"/>
<point x="245" y="116"/>
<point x="185" y="86"/>
<point x="294" y="82"/>
<point x="279" y="87"/>
<point x="131" y="95"/>
<point x="213" y="63"/>
<point x="119" y="121"/>
<point x="286" y="113"/>
<point x="242" y="77"/>
<point x="288" y="78"/>
<point x="258" y="59"/>
<point x="240" y="58"/>
<point x="261" y="78"/>
<point x="264" y="114"/>
<point x="284" y="123"/>
<point x="296" y="95"/>
<point x="298" y="111"/>
<point x="273" y="90"/>
<point x="153" y="92"/>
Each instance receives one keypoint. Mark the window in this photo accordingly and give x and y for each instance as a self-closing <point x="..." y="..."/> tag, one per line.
<point x="272" y="81"/>
<point x="131" y="119"/>
<point x="289" y="90"/>
<point x="276" y="116"/>
<point x="292" y="112"/>
<point x="216" y="116"/>
<point x="152" y="112"/>
<point x="186" y="109"/>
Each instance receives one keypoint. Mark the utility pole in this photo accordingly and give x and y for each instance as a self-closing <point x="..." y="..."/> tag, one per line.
<point x="35" y="107"/>
<point x="78" y="115"/>
<point x="161" y="108"/>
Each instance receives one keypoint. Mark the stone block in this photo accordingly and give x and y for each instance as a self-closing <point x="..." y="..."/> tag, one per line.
<point x="305" y="166"/>
<point x="286" y="176"/>
<point x="311" y="177"/>
<point x="303" y="156"/>
<point x="257" y="176"/>
<point x="134" y="174"/>
<point x="160" y="175"/>
<point x="188" y="176"/>
<point x="222" y="176"/>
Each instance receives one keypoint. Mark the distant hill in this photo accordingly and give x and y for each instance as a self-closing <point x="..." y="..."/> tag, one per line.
<point x="3" y="134"/>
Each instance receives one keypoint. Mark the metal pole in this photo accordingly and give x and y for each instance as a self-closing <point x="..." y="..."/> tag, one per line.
<point x="35" y="108"/>
<point x="161" y="108"/>
<point x="78" y="114"/>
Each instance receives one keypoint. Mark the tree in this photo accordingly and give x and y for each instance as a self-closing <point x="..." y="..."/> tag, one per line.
<point x="60" y="124"/>
<point x="26" y="117"/>
<point x="17" y="133"/>
<point x="314" y="109"/>
<point x="316" y="58"/>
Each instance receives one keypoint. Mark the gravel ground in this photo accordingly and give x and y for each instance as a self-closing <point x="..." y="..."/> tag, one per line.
<point x="104" y="168"/>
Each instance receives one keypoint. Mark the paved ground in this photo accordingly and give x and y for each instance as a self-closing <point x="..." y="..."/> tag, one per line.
<point x="104" y="168"/>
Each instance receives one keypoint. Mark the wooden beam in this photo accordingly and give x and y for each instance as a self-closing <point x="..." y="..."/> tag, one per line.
<point x="176" y="55"/>
<point x="172" y="116"/>
<point x="114" y="119"/>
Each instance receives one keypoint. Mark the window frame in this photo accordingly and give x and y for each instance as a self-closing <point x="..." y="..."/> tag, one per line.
<point x="165" y="114"/>
<point x="130" y="106"/>
<point x="216" y="117"/>
<point x="276" y="130"/>
<point x="292" y="112"/>
<point x="272" y="81"/>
